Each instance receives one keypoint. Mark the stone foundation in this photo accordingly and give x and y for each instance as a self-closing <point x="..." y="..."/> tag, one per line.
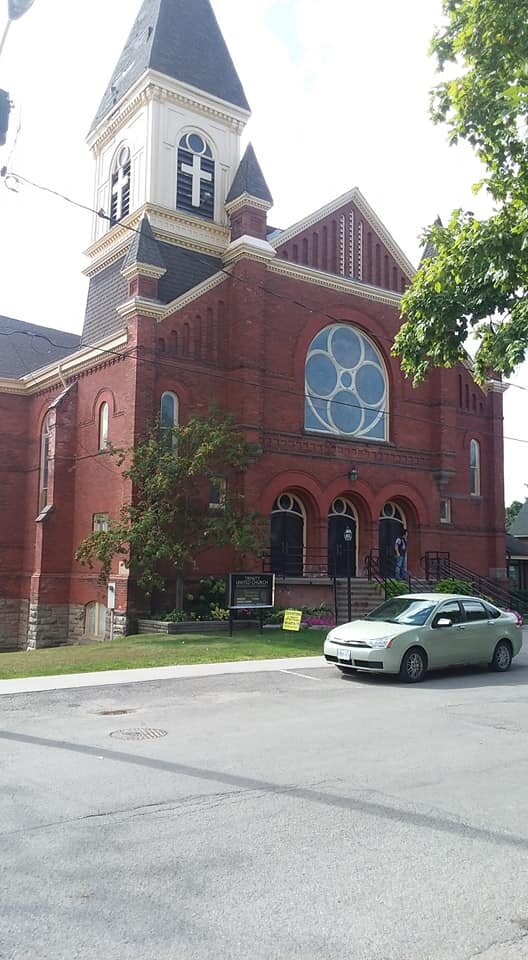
<point x="13" y="624"/>
<point x="54" y="625"/>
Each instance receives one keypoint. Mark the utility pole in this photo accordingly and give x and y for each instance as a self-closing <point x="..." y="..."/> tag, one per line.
<point x="15" y="10"/>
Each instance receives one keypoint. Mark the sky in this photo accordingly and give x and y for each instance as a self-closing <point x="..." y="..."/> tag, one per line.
<point x="339" y="95"/>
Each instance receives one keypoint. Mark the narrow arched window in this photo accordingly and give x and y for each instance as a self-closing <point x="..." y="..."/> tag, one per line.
<point x="120" y="185"/>
<point x="474" y="467"/>
<point x="103" y="426"/>
<point x="44" y="461"/>
<point x="169" y="416"/>
<point x="196" y="176"/>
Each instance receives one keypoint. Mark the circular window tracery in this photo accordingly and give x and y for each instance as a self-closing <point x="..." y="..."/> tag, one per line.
<point x="391" y="511"/>
<point x="346" y="385"/>
<point x="287" y="503"/>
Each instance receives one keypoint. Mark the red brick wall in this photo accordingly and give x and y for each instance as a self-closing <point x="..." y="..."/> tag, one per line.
<point x="245" y="348"/>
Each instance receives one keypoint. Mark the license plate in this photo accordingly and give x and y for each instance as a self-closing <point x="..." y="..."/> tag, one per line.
<point x="344" y="653"/>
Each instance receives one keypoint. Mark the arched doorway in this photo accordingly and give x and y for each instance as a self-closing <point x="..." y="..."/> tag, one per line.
<point x="391" y="526"/>
<point x="342" y="554"/>
<point x="287" y="536"/>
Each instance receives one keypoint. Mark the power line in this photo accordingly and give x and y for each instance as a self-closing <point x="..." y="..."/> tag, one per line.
<point x="249" y="287"/>
<point x="197" y="255"/>
<point x="170" y="362"/>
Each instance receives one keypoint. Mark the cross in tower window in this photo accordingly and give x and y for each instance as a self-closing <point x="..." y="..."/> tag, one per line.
<point x="198" y="175"/>
<point x="118" y="190"/>
<point x="120" y="200"/>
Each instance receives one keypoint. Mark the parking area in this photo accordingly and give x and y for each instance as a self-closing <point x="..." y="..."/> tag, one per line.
<point x="268" y="815"/>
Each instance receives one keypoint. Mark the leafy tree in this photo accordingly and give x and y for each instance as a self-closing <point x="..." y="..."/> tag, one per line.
<point x="167" y="521"/>
<point x="512" y="511"/>
<point x="478" y="279"/>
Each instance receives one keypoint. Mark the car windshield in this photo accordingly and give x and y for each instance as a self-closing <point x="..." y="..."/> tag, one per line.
<point x="403" y="610"/>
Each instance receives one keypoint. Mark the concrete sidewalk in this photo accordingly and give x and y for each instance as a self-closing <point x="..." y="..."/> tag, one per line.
<point x="111" y="677"/>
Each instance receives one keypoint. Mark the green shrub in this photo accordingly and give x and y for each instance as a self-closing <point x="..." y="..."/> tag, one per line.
<point x="219" y="613"/>
<point x="454" y="586"/>
<point x="395" y="588"/>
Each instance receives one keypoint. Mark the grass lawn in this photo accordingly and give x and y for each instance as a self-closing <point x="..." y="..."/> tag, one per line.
<point x="159" y="650"/>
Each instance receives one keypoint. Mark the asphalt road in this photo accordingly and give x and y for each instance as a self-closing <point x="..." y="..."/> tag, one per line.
<point x="283" y="815"/>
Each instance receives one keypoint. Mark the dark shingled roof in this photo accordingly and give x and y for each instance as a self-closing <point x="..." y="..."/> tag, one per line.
<point x="180" y="39"/>
<point x="185" y="270"/>
<point x="430" y="251"/>
<point x="108" y="289"/>
<point x="26" y="347"/>
<point x="516" y="548"/>
<point x="144" y="248"/>
<point x="519" y="527"/>
<point x="249" y="179"/>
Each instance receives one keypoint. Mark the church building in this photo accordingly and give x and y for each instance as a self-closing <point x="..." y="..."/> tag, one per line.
<point x="194" y="297"/>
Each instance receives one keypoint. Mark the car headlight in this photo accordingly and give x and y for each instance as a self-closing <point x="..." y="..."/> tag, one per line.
<point x="382" y="644"/>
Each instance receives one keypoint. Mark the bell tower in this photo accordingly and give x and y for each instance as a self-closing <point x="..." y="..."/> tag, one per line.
<point x="166" y="136"/>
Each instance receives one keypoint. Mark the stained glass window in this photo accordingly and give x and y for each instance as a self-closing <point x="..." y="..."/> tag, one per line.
<point x="346" y="385"/>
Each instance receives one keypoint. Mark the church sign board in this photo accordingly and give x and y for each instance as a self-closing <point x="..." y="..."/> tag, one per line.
<point x="251" y="591"/>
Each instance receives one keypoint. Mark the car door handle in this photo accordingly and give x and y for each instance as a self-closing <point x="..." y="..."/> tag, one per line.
<point x="461" y="628"/>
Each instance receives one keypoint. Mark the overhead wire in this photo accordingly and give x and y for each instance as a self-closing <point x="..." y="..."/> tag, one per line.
<point x="171" y="362"/>
<point x="260" y="288"/>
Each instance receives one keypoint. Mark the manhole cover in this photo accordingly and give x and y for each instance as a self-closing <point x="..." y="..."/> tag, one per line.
<point x="113" y="713"/>
<point x="144" y="733"/>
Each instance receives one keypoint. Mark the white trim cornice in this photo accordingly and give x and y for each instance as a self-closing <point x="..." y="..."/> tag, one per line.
<point x="196" y="234"/>
<point x="199" y="291"/>
<point x="248" y="200"/>
<point x="352" y="196"/>
<point x="152" y="85"/>
<point x="139" y="269"/>
<point x="251" y="248"/>
<point x="333" y="282"/>
<point x="55" y="374"/>
<point x="147" y="308"/>
<point x="496" y="386"/>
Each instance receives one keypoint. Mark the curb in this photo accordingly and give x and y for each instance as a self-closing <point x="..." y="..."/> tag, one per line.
<point x="106" y="678"/>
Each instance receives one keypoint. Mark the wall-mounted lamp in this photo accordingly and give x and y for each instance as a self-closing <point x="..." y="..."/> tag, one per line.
<point x="353" y="474"/>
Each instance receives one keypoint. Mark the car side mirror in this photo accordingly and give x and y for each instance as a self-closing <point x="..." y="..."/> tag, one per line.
<point x="443" y="622"/>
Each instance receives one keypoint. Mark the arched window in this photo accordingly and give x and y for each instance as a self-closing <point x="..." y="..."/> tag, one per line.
<point x="342" y="550"/>
<point x="474" y="467"/>
<point x="392" y="523"/>
<point x="103" y="426"/>
<point x="120" y="186"/>
<point x="196" y="176"/>
<point x="169" y="415"/>
<point x="44" y="461"/>
<point x="346" y="385"/>
<point x="95" y="620"/>
<point x="287" y="536"/>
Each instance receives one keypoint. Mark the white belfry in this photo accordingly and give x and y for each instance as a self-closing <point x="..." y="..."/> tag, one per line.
<point x="197" y="175"/>
<point x="118" y="189"/>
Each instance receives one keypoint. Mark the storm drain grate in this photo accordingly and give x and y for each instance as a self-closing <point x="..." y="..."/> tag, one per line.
<point x="142" y="733"/>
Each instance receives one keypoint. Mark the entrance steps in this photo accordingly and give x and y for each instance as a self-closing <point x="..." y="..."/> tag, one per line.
<point x="365" y="594"/>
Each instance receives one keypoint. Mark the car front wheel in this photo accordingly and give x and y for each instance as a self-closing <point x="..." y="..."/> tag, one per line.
<point x="502" y="658"/>
<point x="413" y="666"/>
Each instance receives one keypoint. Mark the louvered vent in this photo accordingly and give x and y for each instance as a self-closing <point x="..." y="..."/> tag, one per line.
<point x="196" y="184"/>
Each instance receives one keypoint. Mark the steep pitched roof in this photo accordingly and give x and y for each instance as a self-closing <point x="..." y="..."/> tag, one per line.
<point x="519" y="527"/>
<point x="25" y="347"/>
<point x="182" y="40"/>
<point x="430" y="251"/>
<point x="516" y="547"/>
<point x="108" y="289"/>
<point x="249" y="179"/>
<point x="144" y="247"/>
<point x="355" y="196"/>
